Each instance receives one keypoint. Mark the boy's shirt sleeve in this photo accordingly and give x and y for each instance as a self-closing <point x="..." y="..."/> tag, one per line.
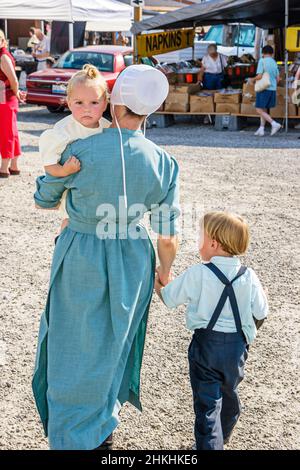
<point x="183" y="288"/>
<point x="259" y="301"/>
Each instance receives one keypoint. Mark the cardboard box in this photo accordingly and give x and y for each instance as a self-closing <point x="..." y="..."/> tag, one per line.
<point x="179" y="88"/>
<point x="279" y="111"/>
<point x="202" y="104"/>
<point x="280" y="91"/>
<point x="228" y="97"/>
<point x="225" y="108"/>
<point x="248" y="109"/>
<point x="179" y="102"/>
<point x="249" y="94"/>
<point x="248" y="88"/>
<point x="248" y="98"/>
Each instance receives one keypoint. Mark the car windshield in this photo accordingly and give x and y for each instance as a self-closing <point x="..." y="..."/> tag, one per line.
<point x="215" y="34"/>
<point x="245" y="36"/>
<point x="76" y="60"/>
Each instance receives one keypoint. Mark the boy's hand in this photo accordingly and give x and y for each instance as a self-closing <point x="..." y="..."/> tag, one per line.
<point x="71" y="166"/>
<point x="164" y="277"/>
<point x="158" y="286"/>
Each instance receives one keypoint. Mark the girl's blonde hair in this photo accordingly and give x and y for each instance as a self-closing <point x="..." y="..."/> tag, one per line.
<point x="230" y="230"/>
<point x="2" y="36"/>
<point x="89" y="75"/>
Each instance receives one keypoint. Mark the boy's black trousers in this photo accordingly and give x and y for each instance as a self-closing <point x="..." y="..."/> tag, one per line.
<point x="216" y="368"/>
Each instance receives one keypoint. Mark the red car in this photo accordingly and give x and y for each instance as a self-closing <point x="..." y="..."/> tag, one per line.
<point x="48" y="87"/>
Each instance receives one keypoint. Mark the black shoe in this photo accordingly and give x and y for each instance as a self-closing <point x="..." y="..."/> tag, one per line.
<point x="107" y="444"/>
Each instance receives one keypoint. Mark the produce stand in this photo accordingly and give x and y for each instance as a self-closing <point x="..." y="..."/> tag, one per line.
<point x="285" y="13"/>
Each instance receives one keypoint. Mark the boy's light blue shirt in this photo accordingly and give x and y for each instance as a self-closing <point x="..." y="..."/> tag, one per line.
<point x="269" y="65"/>
<point x="201" y="290"/>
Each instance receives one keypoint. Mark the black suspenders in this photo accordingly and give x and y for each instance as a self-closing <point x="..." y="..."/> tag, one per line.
<point x="228" y="292"/>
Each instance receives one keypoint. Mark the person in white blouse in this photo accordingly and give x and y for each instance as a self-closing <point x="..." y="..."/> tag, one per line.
<point x="42" y="50"/>
<point x="211" y="75"/>
<point x="87" y="99"/>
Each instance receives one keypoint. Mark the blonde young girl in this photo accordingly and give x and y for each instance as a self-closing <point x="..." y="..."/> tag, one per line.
<point x="87" y="100"/>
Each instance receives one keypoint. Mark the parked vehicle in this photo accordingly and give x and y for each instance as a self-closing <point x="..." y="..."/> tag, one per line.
<point x="235" y="39"/>
<point x="48" y="87"/>
<point x="232" y="40"/>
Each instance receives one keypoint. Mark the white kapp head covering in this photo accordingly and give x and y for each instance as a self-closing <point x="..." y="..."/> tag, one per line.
<point x="142" y="89"/>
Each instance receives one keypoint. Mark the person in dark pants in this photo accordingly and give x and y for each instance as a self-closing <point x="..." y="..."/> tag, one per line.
<point x="226" y="305"/>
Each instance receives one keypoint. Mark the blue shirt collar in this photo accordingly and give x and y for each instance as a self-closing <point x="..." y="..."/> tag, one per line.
<point x="226" y="260"/>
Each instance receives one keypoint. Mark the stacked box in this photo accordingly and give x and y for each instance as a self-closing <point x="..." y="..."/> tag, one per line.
<point x="202" y="103"/>
<point x="228" y="101"/>
<point x="232" y="97"/>
<point x="178" y="99"/>
<point x="279" y="111"/>
<point x="248" y="109"/>
<point x="177" y="102"/>
<point x="249" y="94"/>
<point x="228" y="108"/>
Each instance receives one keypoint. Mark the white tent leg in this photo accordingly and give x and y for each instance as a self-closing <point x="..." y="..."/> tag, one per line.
<point x="5" y="29"/>
<point x="71" y="36"/>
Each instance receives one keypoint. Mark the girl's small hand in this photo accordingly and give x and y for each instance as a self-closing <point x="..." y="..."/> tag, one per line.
<point x="71" y="166"/>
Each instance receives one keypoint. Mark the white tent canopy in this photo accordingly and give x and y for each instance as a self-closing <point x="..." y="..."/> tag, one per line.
<point x="103" y="15"/>
<point x="107" y="15"/>
<point x="56" y="10"/>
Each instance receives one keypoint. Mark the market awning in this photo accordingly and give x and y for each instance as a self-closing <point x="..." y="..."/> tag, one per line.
<point x="262" y="13"/>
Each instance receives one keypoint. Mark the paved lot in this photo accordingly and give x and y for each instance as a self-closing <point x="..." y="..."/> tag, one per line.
<point x="258" y="178"/>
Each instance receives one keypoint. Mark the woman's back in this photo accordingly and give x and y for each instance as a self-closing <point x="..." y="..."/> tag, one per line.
<point x="97" y="190"/>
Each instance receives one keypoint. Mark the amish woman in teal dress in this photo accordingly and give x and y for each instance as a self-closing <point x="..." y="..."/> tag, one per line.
<point x="92" y="331"/>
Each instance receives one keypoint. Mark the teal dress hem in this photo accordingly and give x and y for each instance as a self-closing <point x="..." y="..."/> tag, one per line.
<point x="130" y="386"/>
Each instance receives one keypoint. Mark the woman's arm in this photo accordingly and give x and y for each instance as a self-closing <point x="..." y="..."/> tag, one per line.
<point x="166" y="248"/>
<point x="257" y="78"/>
<point x="7" y="68"/>
<point x="49" y="191"/>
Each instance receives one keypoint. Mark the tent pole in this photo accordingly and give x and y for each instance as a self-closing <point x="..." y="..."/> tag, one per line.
<point x="71" y="36"/>
<point x="138" y="15"/>
<point x="286" y="66"/>
<point x="194" y="52"/>
<point x="5" y="28"/>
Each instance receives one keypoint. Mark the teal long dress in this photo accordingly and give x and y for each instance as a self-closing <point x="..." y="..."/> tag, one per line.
<point x="92" y="331"/>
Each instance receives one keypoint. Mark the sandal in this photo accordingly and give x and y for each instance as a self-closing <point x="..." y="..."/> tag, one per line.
<point x="4" y="175"/>
<point x="14" y="172"/>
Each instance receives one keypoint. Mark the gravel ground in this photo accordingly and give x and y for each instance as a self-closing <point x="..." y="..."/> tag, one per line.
<point x="258" y="178"/>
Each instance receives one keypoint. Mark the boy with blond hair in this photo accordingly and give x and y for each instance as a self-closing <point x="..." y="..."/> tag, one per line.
<point x="225" y="306"/>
